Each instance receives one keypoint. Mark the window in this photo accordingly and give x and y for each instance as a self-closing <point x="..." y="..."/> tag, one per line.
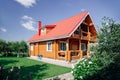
<point x="31" y="47"/>
<point x="62" y="46"/>
<point x="43" y="30"/>
<point x="36" y="44"/>
<point x="49" y="46"/>
<point x="83" y="47"/>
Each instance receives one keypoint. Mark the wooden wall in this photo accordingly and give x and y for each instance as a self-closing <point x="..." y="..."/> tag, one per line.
<point x="41" y="48"/>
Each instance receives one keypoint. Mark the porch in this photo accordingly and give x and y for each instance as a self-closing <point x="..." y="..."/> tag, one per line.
<point x="72" y="49"/>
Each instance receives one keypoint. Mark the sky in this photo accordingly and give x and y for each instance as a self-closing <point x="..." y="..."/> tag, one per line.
<point x="18" y="18"/>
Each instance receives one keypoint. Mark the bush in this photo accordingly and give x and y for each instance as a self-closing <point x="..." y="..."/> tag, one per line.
<point x="86" y="67"/>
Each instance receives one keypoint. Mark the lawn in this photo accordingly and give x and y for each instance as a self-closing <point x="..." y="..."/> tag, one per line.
<point x="39" y="70"/>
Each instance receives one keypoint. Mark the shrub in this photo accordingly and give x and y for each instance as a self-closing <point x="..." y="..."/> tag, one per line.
<point x="86" y="67"/>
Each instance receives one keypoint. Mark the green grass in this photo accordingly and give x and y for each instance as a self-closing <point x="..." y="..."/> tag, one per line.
<point x="39" y="70"/>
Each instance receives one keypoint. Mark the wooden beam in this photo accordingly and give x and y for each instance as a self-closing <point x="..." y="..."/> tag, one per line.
<point x="85" y="23"/>
<point x="91" y="24"/>
<point x="55" y="49"/>
<point x="67" y="50"/>
<point x="80" y="51"/>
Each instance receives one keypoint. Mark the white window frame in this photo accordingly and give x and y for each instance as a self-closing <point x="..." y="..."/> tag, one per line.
<point x="31" y="47"/>
<point x="36" y="44"/>
<point x="60" y="46"/>
<point x="47" y="44"/>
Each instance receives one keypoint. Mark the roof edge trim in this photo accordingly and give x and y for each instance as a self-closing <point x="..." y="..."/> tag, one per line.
<point x="47" y="39"/>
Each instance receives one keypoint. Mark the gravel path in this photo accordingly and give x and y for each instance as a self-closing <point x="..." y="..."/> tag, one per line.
<point x="67" y="76"/>
<point x="55" y="62"/>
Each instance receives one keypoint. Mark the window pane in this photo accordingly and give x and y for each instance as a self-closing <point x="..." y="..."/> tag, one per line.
<point x="83" y="47"/>
<point x="49" y="46"/>
<point x="63" y="46"/>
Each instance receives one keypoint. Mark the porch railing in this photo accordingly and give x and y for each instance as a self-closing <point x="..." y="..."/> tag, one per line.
<point x="94" y="38"/>
<point x="71" y="55"/>
<point x="75" y="54"/>
<point x="61" y="55"/>
<point x="83" y="35"/>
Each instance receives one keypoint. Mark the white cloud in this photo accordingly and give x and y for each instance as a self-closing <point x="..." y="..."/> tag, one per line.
<point x="28" y="23"/>
<point x="3" y="29"/>
<point x="27" y="3"/>
<point x="83" y="10"/>
<point x="27" y="17"/>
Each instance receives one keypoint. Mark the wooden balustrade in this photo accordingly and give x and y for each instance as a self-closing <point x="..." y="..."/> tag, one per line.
<point x="71" y="55"/>
<point x="83" y="35"/>
<point x="75" y="54"/>
<point x="94" y="38"/>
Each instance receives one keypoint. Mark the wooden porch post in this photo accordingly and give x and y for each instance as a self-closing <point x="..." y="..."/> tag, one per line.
<point x="29" y="49"/>
<point x="88" y="45"/>
<point x="55" y="49"/>
<point x="80" y="53"/>
<point x="67" y="57"/>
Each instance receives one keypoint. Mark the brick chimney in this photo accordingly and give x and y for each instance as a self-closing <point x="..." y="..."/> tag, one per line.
<point x="39" y="28"/>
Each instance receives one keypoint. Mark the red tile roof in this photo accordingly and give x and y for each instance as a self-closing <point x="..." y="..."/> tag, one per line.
<point x="62" y="29"/>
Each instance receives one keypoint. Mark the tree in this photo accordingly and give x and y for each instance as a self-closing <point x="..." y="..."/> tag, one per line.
<point x="23" y="47"/>
<point x="12" y="48"/>
<point x="3" y="46"/>
<point x="109" y="42"/>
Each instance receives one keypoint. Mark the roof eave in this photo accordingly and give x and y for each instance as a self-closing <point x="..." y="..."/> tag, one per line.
<point x="48" y="39"/>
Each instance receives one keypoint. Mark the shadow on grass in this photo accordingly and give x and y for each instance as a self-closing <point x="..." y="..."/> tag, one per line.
<point x="36" y="71"/>
<point x="3" y="69"/>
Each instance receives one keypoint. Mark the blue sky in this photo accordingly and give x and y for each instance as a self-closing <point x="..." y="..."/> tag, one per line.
<point x="18" y="18"/>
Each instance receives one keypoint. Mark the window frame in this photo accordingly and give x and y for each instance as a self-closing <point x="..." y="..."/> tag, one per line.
<point x="47" y="48"/>
<point x="31" y="47"/>
<point x="60" y="46"/>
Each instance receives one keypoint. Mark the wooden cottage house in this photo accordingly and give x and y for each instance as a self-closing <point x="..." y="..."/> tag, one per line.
<point x="68" y="39"/>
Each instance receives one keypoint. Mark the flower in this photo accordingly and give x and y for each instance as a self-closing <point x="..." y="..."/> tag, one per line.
<point x="79" y="66"/>
<point x="81" y="77"/>
<point x="73" y="66"/>
<point x="90" y="62"/>
<point x="72" y="72"/>
<point x="85" y="60"/>
<point x="88" y="66"/>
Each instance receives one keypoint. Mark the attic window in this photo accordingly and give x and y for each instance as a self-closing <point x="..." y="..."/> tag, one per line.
<point x="43" y="30"/>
